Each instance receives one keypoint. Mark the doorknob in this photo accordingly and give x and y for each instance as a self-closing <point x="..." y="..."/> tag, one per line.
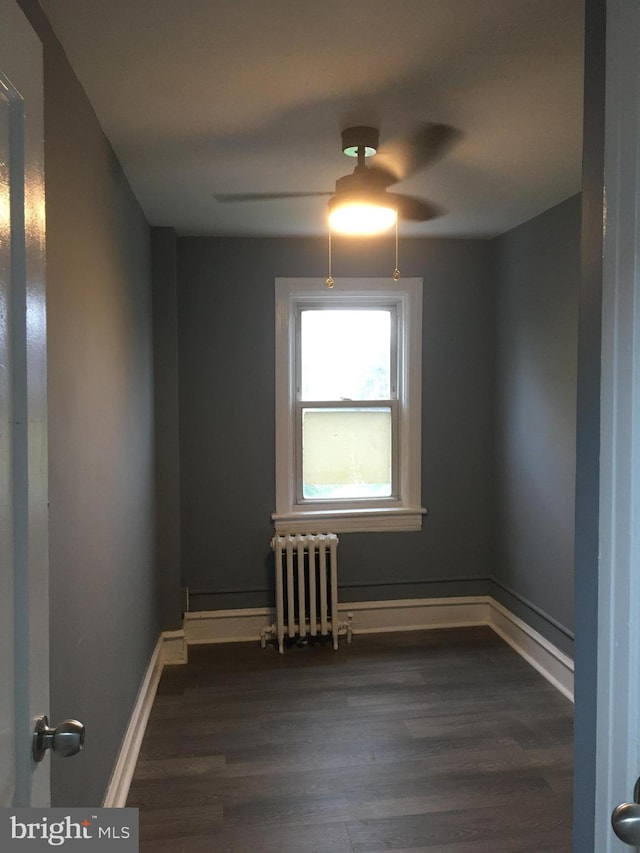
<point x="625" y="819"/>
<point x="66" y="739"/>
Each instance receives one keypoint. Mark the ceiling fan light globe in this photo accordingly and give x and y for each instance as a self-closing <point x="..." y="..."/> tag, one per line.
<point x="361" y="218"/>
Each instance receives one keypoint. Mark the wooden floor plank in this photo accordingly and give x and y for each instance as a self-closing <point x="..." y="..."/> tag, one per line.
<point x="423" y="741"/>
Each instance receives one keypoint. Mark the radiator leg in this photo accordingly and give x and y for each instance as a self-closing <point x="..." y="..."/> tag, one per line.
<point x="333" y="550"/>
<point x="279" y="596"/>
<point x="270" y="629"/>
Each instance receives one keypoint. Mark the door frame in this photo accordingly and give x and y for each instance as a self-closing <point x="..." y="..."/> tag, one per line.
<point x="618" y="699"/>
<point x="608" y="445"/>
<point x="25" y="325"/>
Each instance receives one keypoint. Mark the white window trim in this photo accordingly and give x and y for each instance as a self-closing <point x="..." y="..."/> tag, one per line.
<point x="404" y="513"/>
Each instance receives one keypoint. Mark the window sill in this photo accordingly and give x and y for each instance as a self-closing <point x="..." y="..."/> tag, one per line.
<point x="401" y="519"/>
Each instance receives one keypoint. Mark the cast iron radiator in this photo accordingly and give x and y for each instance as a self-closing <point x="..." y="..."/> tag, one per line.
<point x="306" y="568"/>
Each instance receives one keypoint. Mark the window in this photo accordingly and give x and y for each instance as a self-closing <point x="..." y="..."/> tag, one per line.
<point x="348" y="399"/>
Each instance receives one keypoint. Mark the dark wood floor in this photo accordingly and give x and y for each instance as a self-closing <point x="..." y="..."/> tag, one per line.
<point x="439" y="741"/>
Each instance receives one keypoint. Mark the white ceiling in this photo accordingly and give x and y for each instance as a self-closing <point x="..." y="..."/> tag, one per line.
<point x="219" y="96"/>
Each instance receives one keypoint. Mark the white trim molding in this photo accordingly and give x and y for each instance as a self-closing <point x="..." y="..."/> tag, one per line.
<point x="401" y="511"/>
<point x="416" y="614"/>
<point x="556" y="667"/>
<point x="174" y="647"/>
<point x="227" y="626"/>
<point x="404" y="519"/>
<point x="369" y="617"/>
<point x="171" y="648"/>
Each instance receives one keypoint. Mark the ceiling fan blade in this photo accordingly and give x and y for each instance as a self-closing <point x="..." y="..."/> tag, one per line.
<point x="225" y="198"/>
<point x="416" y="209"/>
<point x="407" y="155"/>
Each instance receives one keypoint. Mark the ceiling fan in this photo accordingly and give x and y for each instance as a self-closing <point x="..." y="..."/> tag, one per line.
<point x="367" y="186"/>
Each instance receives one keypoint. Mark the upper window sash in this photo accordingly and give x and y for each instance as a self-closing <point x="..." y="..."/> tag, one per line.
<point x="363" y="304"/>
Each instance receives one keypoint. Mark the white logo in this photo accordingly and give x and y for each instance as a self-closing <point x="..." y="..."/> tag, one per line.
<point x="57" y="832"/>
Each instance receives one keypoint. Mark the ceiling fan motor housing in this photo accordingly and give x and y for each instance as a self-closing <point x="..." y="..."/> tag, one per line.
<point x="354" y="138"/>
<point x="362" y="179"/>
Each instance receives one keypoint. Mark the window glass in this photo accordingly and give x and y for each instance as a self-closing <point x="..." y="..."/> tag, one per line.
<point x="346" y="453"/>
<point x="345" y="354"/>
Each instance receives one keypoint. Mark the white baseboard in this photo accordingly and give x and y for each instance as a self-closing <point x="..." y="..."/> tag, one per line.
<point x="227" y="626"/>
<point x="556" y="667"/>
<point x="416" y="614"/>
<point x="174" y="647"/>
<point x="171" y="648"/>
<point x="368" y="617"/>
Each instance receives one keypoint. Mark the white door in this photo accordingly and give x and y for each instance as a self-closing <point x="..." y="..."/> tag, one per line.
<point x="618" y="699"/>
<point x="24" y="594"/>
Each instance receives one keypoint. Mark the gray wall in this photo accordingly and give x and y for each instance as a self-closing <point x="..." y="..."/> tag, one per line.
<point x="165" y="359"/>
<point x="104" y="606"/>
<point x="226" y="337"/>
<point x="538" y="279"/>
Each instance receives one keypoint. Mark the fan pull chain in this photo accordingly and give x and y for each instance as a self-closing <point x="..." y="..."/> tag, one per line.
<point x="330" y="281"/>
<point x="396" y="272"/>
